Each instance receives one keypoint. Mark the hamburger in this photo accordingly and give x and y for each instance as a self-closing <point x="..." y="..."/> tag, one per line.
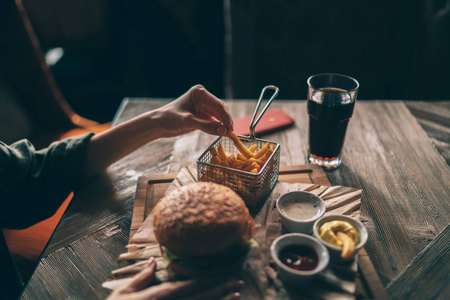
<point x="203" y="229"/>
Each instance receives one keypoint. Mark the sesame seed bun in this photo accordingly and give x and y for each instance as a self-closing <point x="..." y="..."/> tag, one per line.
<point x="201" y="223"/>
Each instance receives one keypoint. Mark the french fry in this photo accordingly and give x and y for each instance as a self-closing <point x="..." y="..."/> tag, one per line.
<point x="206" y="175"/>
<point x="262" y="151"/>
<point x="238" y="164"/>
<point x="251" y="167"/>
<point x="213" y="151"/>
<point x="242" y="158"/>
<point x="225" y="163"/>
<point x="248" y="159"/>
<point x="234" y="161"/>
<point x="349" y="244"/>
<point x="242" y="166"/>
<point x="239" y="145"/>
<point x="252" y="148"/>
<point x="269" y="152"/>
<point x="221" y="151"/>
<point x="258" y="161"/>
<point x="248" y="168"/>
<point x="215" y="160"/>
<point x="264" y="157"/>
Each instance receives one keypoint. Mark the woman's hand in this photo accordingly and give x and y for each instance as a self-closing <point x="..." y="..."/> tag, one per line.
<point x="205" y="289"/>
<point x="196" y="109"/>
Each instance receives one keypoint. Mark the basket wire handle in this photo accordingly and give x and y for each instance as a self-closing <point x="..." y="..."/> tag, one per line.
<point x="261" y="97"/>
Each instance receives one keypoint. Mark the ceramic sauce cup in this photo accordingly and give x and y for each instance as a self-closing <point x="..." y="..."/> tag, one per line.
<point x="299" y="257"/>
<point x="336" y="223"/>
<point x="299" y="210"/>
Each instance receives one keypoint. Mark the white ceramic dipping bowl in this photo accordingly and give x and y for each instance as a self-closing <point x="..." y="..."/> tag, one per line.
<point x="336" y="252"/>
<point x="299" y="210"/>
<point x="292" y="276"/>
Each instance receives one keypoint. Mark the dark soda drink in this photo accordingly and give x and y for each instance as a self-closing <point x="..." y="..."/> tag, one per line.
<point x="331" y="100"/>
<point x="329" y="111"/>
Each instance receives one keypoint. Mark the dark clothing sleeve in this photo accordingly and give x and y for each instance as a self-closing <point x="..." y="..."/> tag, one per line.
<point x="33" y="184"/>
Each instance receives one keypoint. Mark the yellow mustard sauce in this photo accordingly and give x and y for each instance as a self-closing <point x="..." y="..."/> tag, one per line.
<point x="331" y="232"/>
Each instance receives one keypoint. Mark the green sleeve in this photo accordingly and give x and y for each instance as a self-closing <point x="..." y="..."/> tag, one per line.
<point x="33" y="184"/>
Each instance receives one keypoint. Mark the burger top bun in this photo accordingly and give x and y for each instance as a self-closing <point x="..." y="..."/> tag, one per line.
<point x="200" y="219"/>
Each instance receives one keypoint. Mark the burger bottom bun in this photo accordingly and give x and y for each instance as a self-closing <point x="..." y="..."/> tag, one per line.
<point x="234" y="268"/>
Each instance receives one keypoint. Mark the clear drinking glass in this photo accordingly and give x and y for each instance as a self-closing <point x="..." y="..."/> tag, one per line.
<point x="331" y="99"/>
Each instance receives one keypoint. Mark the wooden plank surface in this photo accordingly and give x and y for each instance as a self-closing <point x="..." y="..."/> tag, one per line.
<point x="434" y="117"/>
<point x="151" y="188"/>
<point x="404" y="180"/>
<point x="145" y="191"/>
<point x="387" y="154"/>
<point x="78" y="272"/>
<point x="431" y="267"/>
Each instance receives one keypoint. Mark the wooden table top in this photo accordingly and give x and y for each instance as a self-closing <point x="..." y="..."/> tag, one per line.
<point x="397" y="152"/>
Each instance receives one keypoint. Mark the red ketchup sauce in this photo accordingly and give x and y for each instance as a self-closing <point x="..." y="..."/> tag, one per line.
<point x="302" y="258"/>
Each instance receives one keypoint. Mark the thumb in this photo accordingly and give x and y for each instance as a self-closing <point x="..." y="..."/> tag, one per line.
<point x="209" y="126"/>
<point x="145" y="277"/>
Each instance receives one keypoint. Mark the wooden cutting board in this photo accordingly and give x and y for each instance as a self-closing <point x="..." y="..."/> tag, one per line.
<point x="151" y="188"/>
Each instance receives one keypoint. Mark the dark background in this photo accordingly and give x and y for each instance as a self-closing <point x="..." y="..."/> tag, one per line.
<point x="115" y="49"/>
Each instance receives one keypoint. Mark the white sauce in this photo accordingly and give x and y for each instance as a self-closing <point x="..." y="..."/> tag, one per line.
<point x="300" y="209"/>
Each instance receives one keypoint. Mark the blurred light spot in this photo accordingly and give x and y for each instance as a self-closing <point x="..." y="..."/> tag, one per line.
<point x="54" y="55"/>
<point x="131" y="173"/>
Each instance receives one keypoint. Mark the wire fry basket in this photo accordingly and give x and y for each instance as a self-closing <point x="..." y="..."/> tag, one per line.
<point x="253" y="188"/>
